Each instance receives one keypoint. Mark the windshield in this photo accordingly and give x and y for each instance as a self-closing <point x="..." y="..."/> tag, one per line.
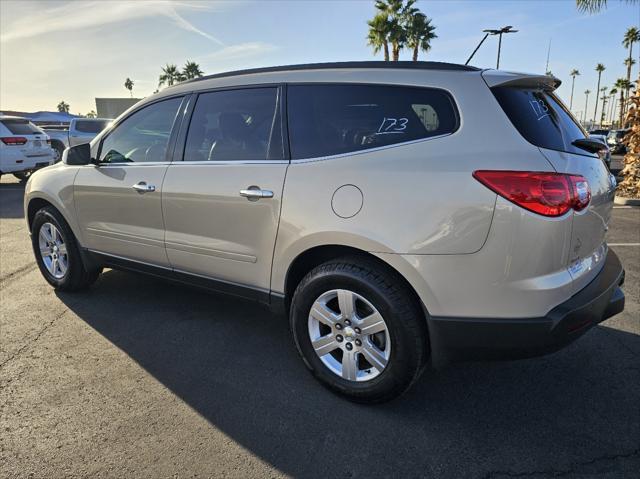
<point x="541" y="118"/>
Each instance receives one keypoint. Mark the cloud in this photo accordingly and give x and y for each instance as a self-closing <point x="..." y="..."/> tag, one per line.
<point x="78" y="16"/>
<point x="237" y="52"/>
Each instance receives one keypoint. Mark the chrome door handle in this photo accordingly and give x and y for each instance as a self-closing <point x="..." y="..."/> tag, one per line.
<point x="254" y="193"/>
<point x="143" y="187"/>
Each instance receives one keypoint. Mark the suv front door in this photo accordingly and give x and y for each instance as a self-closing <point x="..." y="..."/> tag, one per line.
<point x="119" y="200"/>
<point x="222" y="193"/>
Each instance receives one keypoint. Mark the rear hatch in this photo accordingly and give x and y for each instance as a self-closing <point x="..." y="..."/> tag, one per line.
<point x="30" y="139"/>
<point x="543" y="120"/>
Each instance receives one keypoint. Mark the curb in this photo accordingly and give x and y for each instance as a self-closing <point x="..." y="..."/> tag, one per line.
<point x="620" y="200"/>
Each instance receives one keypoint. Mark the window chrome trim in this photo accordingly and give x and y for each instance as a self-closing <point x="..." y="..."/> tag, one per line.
<point x="370" y="150"/>
<point x="230" y="162"/>
<point x="130" y="163"/>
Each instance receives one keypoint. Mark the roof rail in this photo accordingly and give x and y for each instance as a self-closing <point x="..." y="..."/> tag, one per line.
<point x="406" y="65"/>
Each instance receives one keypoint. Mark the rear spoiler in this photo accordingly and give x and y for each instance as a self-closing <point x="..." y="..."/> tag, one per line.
<point x="495" y="78"/>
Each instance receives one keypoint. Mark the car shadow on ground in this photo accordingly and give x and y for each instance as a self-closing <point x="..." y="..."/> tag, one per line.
<point x="11" y="195"/>
<point x="235" y="364"/>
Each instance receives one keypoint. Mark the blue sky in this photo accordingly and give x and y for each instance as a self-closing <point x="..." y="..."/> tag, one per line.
<point x="77" y="50"/>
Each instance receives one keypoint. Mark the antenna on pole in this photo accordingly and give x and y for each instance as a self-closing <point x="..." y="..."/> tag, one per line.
<point x="548" y="55"/>
<point x="497" y="31"/>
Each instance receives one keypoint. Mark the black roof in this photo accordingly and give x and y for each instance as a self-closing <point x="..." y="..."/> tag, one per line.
<point x="406" y="65"/>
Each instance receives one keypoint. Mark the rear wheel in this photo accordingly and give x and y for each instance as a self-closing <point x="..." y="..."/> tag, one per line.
<point x="358" y="330"/>
<point x="22" y="175"/>
<point x="57" y="252"/>
<point x="58" y="148"/>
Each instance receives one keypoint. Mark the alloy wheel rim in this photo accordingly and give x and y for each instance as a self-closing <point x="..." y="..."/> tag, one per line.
<point x="53" y="250"/>
<point x="349" y="335"/>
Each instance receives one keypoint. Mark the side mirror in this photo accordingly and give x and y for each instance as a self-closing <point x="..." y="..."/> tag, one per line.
<point x="78" y="155"/>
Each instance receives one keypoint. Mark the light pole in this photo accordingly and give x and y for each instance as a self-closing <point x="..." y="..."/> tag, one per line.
<point x="499" y="32"/>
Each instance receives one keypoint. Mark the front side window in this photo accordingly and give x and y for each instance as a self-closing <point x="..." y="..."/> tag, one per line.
<point x="235" y="125"/>
<point x="143" y="136"/>
<point x="327" y="120"/>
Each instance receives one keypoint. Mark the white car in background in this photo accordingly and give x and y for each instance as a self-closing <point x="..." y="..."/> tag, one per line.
<point x="79" y="131"/>
<point x="23" y="147"/>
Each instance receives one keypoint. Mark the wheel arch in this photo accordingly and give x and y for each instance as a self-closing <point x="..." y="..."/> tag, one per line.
<point x="316" y="255"/>
<point x="35" y="202"/>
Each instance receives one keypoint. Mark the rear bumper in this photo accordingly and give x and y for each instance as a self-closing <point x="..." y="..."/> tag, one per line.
<point x="486" y="338"/>
<point x="11" y="162"/>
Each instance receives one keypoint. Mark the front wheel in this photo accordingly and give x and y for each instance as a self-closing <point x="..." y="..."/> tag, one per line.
<point x="359" y="331"/>
<point x="57" y="252"/>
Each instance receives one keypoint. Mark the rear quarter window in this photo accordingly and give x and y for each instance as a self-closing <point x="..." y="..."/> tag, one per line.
<point x="327" y="120"/>
<point x="541" y="118"/>
<point x="21" y="127"/>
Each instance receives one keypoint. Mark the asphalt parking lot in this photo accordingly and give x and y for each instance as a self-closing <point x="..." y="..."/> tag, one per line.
<point x="142" y="378"/>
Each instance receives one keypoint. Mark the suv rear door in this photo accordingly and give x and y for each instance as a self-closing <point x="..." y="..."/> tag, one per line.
<point x="544" y="121"/>
<point x="222" y="193"/>
<point x="119" y="200"/>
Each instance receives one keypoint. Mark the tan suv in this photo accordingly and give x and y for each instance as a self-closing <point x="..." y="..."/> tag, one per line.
<point x="400" y="213"/>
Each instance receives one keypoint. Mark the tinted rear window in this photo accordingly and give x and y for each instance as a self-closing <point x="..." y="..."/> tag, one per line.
<point x="91" y="126"/>
<point x="332" y="119"/>
<point x="540" y="118"/>
<point x="21" y="127"/>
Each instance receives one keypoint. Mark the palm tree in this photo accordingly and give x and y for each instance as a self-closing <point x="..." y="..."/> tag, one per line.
<point x="631" y="36"/>
<point x="191" y="70"/>
<point x="612" y="94"/>
<point x="378" y="36"/>
<point x="91" y="114"/>
<point x="63" y="107"/>
<point x="599" y="68"/>
<point x="419" y="33"/>
<point x="594" y="6"/>
<point x="586" y="104"/>
<point x="623" y="85"/>
<point x="395" y="11"/>
<point x="574" y="73"/>
<point x="128" y="84"/>
<point x="630" y="184"/>
<point x="604" y="99"/>
<point x="170" y="75"/>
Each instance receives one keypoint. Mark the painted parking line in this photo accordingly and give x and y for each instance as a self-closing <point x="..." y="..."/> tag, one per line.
<point x="625" y="207"/>
<point x="623" y="244"/>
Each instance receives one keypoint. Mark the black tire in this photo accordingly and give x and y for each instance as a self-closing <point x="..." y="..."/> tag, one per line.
<point x="59" y="147"/>
<point x="22" y="175"/>
<point x="78" y="276"/>
<point x="402" y="314"/>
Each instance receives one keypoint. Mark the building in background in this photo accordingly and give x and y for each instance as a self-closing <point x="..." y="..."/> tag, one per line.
<point x="113" y="107"/>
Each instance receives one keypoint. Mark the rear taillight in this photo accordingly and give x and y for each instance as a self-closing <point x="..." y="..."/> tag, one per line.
<point x="14" y="140"/>
<point x="548" y="194"/>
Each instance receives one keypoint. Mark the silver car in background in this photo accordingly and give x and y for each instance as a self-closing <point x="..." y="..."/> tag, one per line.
<point x="402" y="214"/>
<point x="79" y="131"/>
